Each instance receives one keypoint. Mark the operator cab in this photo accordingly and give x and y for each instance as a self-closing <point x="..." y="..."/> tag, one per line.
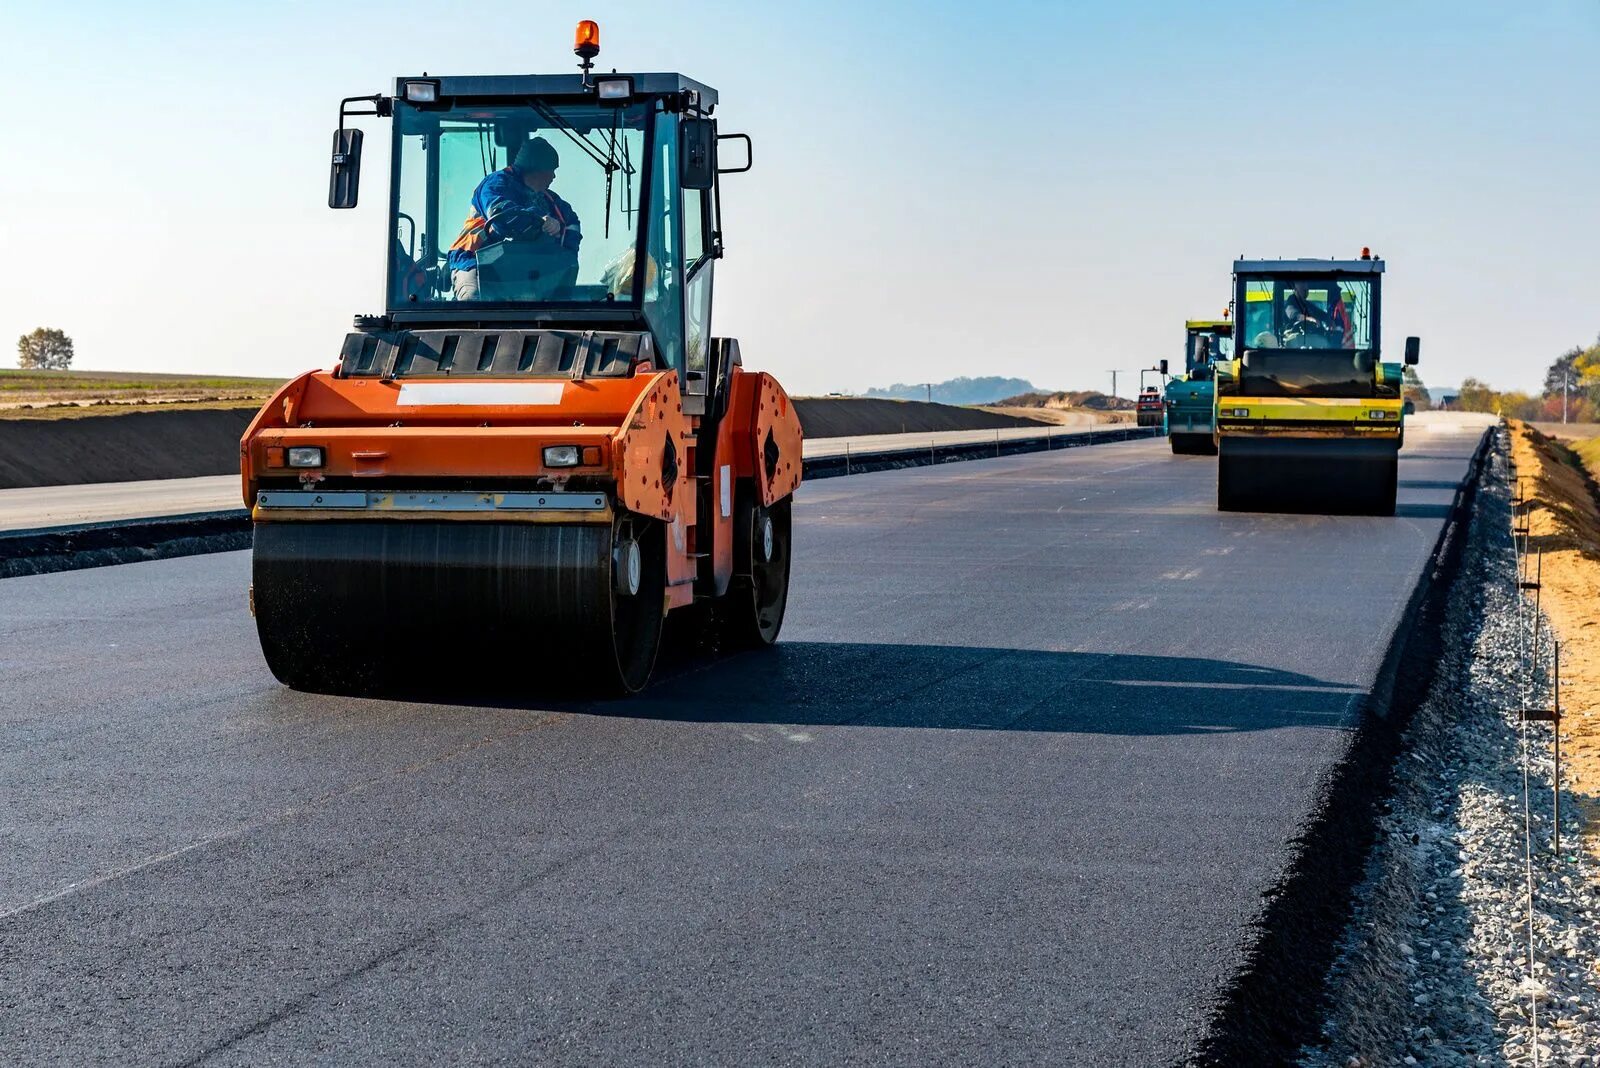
<point x="617" y="232"/>
<point x="1206" y="341"/>
<point x="1310" y="327"/>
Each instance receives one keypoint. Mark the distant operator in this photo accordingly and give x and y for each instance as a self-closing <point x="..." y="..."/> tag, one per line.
<point x="521" y="240"/>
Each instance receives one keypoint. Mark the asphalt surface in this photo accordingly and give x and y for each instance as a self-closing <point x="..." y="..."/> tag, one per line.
<point x="102" y="502"/>
<point x="1037" y="738"/>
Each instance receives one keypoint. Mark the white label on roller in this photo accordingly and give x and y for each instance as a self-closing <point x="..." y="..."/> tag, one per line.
<point x="415" y="393"/>
<point x="727" y="491"/>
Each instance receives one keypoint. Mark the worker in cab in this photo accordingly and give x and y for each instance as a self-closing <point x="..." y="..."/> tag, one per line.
<point x="521" y="240"/>
<point x="1308" y="321"/>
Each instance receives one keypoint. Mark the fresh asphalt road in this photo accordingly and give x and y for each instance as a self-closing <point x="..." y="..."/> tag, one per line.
<point x="1038" y="736"/>
<point x="102" y="502"/>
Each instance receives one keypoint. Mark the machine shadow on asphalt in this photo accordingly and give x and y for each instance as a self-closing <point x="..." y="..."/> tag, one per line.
<point x="965" y="688"/>
<point x="943" y="687"/>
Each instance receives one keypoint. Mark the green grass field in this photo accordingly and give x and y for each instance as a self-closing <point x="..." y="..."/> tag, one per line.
<point x="70" y="394"/>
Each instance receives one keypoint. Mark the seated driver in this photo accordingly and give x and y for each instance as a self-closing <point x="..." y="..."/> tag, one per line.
<point x="1302" y="311"/>
<point x="1305" y="317"/>
<point x="516" y="204"/>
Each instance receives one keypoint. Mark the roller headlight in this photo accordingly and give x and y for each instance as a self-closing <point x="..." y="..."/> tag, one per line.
<point x="561" y="456"/>
<point x="421" y="92"/>
<point x="305" y="456"/>
<point x="613" y="90"/>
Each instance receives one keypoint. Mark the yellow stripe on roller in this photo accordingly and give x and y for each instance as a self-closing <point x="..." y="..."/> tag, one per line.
<point x="1300" y="415"/>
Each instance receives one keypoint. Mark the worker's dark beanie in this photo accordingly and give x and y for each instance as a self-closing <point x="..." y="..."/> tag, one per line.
<point x="536" y="155"/>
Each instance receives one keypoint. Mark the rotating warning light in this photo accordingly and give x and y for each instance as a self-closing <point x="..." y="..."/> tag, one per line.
<point x="586" y="42"/>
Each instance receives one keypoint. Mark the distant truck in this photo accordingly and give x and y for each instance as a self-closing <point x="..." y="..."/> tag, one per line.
<point x="1308" y="417"/>
<point x="1191" y="397"/>
<point x="1149" y="408"/>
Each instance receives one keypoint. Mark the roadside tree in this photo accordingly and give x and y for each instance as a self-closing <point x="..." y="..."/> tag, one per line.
<point x="46" y="349"/>
<point x="1476" y="396"/>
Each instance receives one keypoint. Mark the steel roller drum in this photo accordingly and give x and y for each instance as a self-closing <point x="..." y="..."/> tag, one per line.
<point x="380" y="606"/>
<point x="1318" y="476"/>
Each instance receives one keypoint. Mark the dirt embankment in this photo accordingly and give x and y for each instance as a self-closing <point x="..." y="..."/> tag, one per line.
<point x="1564" y="523"/>
<point x="848" y="417"/>
<point x="127" y="447"/>
<point x="138" y="446"/>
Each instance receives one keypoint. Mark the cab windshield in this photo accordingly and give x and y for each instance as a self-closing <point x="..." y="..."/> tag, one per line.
<point x="532" y="202"/>
<point x="1301" y="312"/>
<point x="1217" y="346"/>
<point x="1307" y="336"/>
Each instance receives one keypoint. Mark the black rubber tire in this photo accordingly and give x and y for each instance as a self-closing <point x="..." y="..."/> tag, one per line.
<point x="422" y="606"/>
<point x="751" y="614"/>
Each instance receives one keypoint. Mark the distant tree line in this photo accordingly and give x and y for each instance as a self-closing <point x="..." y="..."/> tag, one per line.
<point x="1574" y="377"/>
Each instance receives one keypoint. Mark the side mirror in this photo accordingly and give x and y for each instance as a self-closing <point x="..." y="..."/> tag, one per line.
<point x="1408" y="408"/>
<point x="1413" y="351"/>
<point x="749" y="153"/>
<point x="1163" y="366"/>
<point x="697" y="153"/>
<point x="344" y="182"/>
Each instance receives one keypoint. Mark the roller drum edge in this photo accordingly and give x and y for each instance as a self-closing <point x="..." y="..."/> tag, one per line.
<point x="1307" y="476"/>
<point x="1193" y="444"/>
<point x="365" y="607"/>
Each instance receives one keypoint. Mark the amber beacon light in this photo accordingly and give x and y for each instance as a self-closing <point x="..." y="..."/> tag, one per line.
<point x="586" y="42"/>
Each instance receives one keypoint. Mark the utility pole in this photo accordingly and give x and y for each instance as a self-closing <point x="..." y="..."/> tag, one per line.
<point x="1566" y="381"/>
<point x="930" y="394"/>
<point x="1114" y="374"/>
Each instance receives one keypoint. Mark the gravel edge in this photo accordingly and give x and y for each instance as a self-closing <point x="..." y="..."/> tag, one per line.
<point x="1433" y="968"/>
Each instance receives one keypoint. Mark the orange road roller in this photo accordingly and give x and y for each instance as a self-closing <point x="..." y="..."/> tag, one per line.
<point x="539" y="450"/>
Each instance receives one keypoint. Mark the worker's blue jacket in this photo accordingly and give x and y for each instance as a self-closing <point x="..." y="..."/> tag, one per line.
<point x="502" y="207"/>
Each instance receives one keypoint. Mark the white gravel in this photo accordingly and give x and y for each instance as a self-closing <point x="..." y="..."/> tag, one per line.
<point x="1435" y="967"/>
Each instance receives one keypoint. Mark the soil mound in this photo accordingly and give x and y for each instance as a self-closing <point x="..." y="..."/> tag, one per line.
<point x="845" y="417"/>
<point x="129" y="447"/>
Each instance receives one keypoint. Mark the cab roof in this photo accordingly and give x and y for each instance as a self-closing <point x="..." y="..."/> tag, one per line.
<point x="489" y="85"/>
<point x="1308" y="267"/>
<point x="1209" y="324"/>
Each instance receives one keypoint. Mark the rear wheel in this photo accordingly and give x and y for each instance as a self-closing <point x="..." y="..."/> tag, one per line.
<point x="752" y="612"/>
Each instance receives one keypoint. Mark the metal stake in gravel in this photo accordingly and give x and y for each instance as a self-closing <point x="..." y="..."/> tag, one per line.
<point x="1552" y="716"/>
<point x="1520" y="600"/>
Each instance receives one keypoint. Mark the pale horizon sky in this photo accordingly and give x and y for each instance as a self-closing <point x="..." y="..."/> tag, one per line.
<point x="1030" y="189"/>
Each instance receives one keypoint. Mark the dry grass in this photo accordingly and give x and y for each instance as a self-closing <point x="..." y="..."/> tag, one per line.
<point x="1564" y="525"/>
<point x="69" y="394"/>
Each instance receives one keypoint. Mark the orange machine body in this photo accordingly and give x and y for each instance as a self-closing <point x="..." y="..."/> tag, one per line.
<point x="637" y="445"/>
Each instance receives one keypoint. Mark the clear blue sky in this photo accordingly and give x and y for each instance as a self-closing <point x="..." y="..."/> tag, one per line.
<point x="1021" y="188"/>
